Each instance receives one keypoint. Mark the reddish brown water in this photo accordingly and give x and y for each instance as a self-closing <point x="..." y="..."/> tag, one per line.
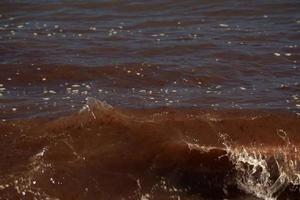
<point x="203" y="100"/>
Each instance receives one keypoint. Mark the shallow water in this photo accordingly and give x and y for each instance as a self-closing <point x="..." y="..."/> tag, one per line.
<point x="203" y="99"/>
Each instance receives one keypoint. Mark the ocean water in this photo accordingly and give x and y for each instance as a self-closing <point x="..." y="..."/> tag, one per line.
<point x="150" y="99"/>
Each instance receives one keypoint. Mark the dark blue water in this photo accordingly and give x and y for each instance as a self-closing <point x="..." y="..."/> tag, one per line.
<point x="221" y="54"/>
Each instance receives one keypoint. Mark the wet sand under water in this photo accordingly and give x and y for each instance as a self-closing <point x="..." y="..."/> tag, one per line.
<point x="103" y="152"/>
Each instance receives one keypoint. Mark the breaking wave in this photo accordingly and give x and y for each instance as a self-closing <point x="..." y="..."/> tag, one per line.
<point x="151" y="154"/>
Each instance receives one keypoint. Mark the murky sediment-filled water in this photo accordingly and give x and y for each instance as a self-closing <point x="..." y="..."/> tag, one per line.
<point x="149" y="99"/>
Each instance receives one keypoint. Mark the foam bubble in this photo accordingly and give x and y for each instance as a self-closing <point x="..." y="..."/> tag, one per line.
<point x="264" y="172"/>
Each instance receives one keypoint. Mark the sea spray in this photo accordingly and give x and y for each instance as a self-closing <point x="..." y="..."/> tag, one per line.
<point x="265" y="172"/>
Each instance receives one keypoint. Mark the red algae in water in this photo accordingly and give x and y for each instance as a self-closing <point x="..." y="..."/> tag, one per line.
<point x="202" y="100"/>
<point x="105" y="152"/>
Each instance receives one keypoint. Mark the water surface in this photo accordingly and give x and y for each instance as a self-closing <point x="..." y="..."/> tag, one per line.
<point x="190" y="85"/>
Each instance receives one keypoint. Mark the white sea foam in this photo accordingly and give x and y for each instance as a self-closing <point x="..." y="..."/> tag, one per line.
<point x="265" y="172"/>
